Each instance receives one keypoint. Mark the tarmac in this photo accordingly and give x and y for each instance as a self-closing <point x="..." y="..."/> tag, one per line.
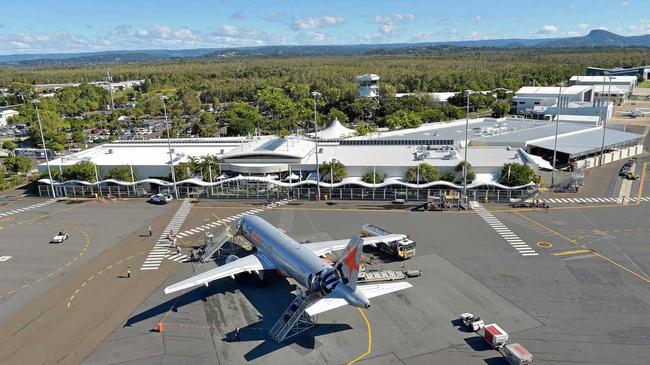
<point x="581" y="300"/>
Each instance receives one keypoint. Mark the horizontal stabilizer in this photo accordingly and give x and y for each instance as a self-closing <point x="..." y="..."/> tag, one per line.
<point x="370" y="291"/>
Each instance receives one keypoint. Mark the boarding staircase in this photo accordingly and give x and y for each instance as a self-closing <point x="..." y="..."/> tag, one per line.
<point x="212" y="246"/>
<point x="536" y="192"/>
<point x="572" y="183"/>
<point x="294" y="320"/>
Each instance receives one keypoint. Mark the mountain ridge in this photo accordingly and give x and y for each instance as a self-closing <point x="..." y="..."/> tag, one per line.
<point x="597" y="38"/>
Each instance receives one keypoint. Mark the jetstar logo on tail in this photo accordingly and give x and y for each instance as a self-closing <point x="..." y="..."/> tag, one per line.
<point x="351" y="261"/>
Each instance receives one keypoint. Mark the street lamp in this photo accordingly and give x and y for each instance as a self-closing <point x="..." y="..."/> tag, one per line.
<point x="557" y="124"/>
<point x="609" y="89"/>
<point x="47" y="159"/>
<point x="464" y="197"/>
<point x="315" y="95"/>
<point x="169" y="146"/>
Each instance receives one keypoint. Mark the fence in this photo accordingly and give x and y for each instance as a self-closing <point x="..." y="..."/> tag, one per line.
<point x="268" y="191"/>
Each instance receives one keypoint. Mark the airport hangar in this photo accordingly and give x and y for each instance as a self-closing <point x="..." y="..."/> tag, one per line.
<point x="271" y="162"/>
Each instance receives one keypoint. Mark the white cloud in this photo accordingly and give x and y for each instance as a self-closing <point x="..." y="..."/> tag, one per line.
<point x="625" y="3"/>
<point x="582" y="26"/>
<point x="229" y="35"/>
<point x="227" y="30"/>
<point x="643" y="27"/>
<point x="317" y="22"/>
<point x="477" y="18"/>
<point x="312" y="38"/>
<point x="19" y="45"/>
<point x="121" y="30"/>
<point x="571" y="33"/>
<point x="548" y="29"/>
<point x="391" y="24"/>
<point x="162" y="34"/>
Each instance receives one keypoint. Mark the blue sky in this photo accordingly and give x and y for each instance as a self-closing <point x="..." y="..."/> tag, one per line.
<point x="29" y="26"/>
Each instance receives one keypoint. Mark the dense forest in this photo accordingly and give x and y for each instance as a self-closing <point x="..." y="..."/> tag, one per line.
<point x="272" y="95"/>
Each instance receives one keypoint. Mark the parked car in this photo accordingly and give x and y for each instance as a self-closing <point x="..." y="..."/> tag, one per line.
<point x="160" y="198"/>
<point x="60" y="237"/>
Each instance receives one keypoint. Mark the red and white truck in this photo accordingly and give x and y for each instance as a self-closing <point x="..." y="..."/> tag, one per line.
<point x="494" y="335"/>
<point x="518" y="355"/>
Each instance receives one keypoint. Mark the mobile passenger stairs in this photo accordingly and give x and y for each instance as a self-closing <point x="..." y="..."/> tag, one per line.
<point x="572" y="183"/>
<point x="222" y="245"/>
<point x="535" y="198"/>
<point x="295" y="320"/>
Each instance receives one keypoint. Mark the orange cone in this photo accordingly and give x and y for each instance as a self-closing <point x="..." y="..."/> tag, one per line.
<point x="160" y="327"/>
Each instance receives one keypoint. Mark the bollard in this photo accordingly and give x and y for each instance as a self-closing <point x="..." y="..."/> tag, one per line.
<point x="160" y="327"/>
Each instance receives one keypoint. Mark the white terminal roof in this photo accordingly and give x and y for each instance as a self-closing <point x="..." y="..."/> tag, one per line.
<point x="153" y="152"/>
<point x="609" y="89"/>
<point x="553" y="90"/>
<point x="404" y="155"/>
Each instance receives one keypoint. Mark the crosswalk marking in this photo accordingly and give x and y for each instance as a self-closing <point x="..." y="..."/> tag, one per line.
<point x="229" y="219"/>
<point x="160" y="248"/>
<point x="596" y="199"/>
<point x="517" y="243"/>
<point x="27" y="208"/>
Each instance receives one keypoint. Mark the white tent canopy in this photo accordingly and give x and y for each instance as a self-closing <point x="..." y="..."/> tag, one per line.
<point x="335" y="130"/>
<point x="292" y="177"/>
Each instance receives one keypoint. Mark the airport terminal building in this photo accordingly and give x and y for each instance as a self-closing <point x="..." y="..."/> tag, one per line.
<point x="259" y="166"/>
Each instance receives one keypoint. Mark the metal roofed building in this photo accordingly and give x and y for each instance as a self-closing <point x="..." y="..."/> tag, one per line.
<point x="584" y="147"/>
<point x="262" y="160"/>
<point x="618" y="89"/>
<point x="543" y="103"/>
<point x="643" y="71"/>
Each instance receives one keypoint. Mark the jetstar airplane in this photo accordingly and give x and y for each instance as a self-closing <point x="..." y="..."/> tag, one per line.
<point x="336" y="283"/>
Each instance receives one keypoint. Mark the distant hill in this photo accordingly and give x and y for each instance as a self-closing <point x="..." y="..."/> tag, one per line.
<point x="599" y="38"/>
<point x="595" y="39"/>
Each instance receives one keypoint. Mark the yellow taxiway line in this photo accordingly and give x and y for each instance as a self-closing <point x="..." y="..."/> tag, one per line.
<point x="363" y="314"/>
<point x="620" y="266"/>
<point x="571" y="252"/>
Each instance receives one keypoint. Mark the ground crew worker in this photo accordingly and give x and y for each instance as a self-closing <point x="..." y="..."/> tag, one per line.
<point x="128" y="272"/>
<point x="237" y="334"/>
<point x="150" y="230"/>
<point x="178" y="250"/>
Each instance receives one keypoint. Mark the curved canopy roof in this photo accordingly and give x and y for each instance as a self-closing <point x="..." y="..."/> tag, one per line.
<point x="336" y="130"/>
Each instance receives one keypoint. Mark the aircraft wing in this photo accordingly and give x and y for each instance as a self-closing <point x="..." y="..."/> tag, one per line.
<point x="331" y="301"/>
<point x="255" y="262"/>
<point x="324" y="247"/>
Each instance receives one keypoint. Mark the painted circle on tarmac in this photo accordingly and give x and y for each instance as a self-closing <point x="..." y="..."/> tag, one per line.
<point x="543" y="244"/>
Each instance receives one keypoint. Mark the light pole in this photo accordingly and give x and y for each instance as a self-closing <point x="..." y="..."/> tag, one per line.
<point x="464" y="197"/>
<point x="557" y="125"/>
<point x="602" y="145"/>
<point x="47" y="159"/>
<point x="109" y="79"/>
<point x="169" y="146"/>
<point x="316" y="94"/>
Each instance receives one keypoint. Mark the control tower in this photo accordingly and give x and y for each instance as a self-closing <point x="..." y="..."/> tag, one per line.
<point x="368" y="85"/>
